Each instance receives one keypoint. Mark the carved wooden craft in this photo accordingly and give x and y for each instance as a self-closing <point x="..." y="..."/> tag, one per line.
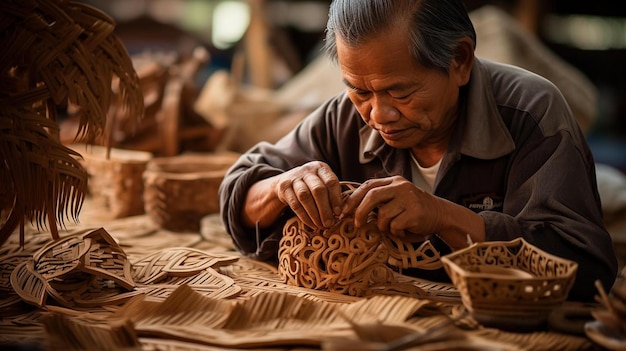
<point x="348" y="260"/>
<point x="510" y="284"/>
<point x="159" y="274"/>
<point x="181" y="190"/>
<point x="115" y="178"/>
<point x="84" y="269"/>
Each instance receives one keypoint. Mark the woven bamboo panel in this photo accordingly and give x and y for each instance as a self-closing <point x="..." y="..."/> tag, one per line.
<point x="158" y="275"/>
<point x="269" y="319"/>
<point x="224" y="301"/>
<point x="276" y="315"/>
<point x="279" y="320"/>
<point x="257" y="277"/>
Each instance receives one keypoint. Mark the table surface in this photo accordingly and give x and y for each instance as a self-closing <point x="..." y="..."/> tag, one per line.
<point x="235" y="302"/>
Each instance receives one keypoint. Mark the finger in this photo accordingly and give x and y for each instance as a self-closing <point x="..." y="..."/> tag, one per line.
<point x="350" y="203"/>
<point x="389" y="216"/>
<point x="358" y="195"/>
<point x="333" y="188"/>
<point x="373" y="199"/>
<point x="291" y="199"/>
<point x="321" y="198"/>
<point x="397" y="226"/>
<point x="308" y="201"/>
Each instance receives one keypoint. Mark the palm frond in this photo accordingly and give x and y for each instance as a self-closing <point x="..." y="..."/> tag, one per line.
<point x="55" y="53"/>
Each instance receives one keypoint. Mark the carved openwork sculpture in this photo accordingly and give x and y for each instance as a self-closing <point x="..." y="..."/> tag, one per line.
<point x="346" y="259"/>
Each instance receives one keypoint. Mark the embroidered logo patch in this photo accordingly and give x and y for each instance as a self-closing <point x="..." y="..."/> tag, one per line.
<point x="484" y="202"/>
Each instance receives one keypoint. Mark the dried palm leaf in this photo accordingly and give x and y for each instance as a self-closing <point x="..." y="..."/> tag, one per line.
<point x="55" y="53"/>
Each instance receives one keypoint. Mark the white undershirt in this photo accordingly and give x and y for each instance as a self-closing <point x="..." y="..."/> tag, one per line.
<point x="424" y="177"/>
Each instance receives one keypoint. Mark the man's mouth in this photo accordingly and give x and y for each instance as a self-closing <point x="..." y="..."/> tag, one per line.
<point x="391" y="134"/>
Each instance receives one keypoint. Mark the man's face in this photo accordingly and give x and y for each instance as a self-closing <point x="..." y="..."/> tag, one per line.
<point x="407" y="104"/>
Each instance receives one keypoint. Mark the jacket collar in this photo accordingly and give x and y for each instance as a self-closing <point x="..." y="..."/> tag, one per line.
<point x="484" y="134"/>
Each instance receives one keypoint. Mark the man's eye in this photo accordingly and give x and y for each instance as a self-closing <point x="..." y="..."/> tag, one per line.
<point x="359" y="93"/>
<point x="400" y="96"/>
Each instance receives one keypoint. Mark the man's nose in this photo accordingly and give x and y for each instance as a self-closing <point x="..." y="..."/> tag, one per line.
<point x="382" y="111"/>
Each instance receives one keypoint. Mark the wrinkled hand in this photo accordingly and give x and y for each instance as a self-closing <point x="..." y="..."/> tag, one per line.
<point x="313" y="192"/>
<point x="402" y="208"/>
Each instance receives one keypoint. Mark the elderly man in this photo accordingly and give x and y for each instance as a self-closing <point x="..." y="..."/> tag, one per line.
<point x="446" y="147"/>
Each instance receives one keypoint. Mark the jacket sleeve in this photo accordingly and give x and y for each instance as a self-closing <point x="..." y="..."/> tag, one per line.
<point x="312" y="139"/>
<point x="232" y="193"/>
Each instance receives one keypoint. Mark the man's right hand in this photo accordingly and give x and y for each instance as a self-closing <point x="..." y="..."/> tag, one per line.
<point x="313" y="192"/>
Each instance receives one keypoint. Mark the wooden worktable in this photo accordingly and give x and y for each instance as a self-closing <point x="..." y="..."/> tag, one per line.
<point x="255" y="311"/>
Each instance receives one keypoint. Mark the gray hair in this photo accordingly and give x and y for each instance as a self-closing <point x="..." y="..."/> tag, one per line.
<point x="435" y="26"/>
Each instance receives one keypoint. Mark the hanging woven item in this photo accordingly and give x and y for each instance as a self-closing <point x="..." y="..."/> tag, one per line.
<point x="55" y="54"/>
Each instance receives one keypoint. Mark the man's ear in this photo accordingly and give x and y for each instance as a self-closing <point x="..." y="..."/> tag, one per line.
<point x="463" y="61"/>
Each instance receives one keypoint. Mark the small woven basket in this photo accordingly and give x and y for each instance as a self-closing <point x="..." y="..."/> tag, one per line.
<point x="510" y="283"/>
<point x="180" y="190"/>
<point x="115" y="178"/>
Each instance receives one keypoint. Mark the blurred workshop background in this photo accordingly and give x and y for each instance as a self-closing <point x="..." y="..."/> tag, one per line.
<point x="279" y="38"/>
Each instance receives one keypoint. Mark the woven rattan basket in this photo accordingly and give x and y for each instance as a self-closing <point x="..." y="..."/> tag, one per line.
<point x="115" y="178"/>
<point x="180" y="190"/>
<point x="510" y="284"/>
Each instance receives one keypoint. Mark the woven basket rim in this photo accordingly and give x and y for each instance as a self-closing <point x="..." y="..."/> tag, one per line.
<point x="450" y="261"/>
<point x="510" y="296"/>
